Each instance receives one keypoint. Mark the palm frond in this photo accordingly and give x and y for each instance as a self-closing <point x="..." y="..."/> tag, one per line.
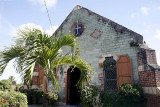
<point x="28" y="71"/>
<point x="34" y="46"/>
<point x="9" y="54"/>
<point x="54" y="80"/>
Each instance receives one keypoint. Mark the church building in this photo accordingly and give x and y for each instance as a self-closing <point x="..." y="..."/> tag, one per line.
<point x="117" y="54"/>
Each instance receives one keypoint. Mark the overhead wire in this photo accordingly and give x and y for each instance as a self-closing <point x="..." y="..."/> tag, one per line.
<point x="48" y="15"/>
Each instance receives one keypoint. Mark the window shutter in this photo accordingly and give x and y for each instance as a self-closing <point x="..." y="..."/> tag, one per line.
<point x="124" y="70"/>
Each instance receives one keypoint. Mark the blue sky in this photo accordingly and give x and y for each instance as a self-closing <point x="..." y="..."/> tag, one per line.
<point x="141" y="16"/>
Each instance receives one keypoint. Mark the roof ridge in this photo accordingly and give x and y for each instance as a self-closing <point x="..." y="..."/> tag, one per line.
<point x="77" y="7"/>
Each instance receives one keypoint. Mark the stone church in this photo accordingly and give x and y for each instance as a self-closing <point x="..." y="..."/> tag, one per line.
<point x="117" y="54"/>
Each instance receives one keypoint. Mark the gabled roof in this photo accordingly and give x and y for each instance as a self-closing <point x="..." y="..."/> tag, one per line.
<point x="118" y="28"/>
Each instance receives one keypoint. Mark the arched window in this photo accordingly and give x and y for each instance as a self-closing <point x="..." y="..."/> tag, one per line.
<point x="110" y="74"/>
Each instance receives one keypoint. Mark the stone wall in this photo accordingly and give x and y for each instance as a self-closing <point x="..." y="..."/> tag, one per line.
<point x="37" y="79"/>
<point x="149" y="76"/>
<point x="151" y="57"/>
<point x="150" y="82"/>
<point x="146" y="56"/>
<point x="104" y="38"/>
<point x="101" y="38"/>
<point x="147" y="79"/>
<point x="152" y="100"/>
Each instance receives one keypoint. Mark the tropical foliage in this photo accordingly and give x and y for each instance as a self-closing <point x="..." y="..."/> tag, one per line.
<point x="34" y="96"/>
<point x="11" y="78"/>
<point x="3" y="102"/>
<point x="128" y="96"/>
<point x="89" y="96"/>
<point x="52" y="97"/>
<point x="34" y="46"/>
<point x="5" y="85"/>
<point x="13" y="99"/>
<point x="131" y="96"/>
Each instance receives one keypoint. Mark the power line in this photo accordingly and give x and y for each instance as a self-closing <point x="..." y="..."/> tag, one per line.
<point x="48" y="15"/>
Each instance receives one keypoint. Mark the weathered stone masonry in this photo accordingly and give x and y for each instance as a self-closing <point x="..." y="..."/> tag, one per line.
<point x="149" y="75"/>
<point x="102" y="38"/>
<point x="110" y="39"/>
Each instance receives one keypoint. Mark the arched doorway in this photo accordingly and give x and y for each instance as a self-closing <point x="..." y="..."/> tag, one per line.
<point x="73" y="76"/>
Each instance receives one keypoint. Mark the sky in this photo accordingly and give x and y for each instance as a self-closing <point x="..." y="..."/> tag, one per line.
<point x="141" y="16"/>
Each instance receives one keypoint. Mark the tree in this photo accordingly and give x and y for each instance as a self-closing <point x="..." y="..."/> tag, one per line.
<point x="5" y="85"/>
<point x="34" y="46"/>
<point x="11" y="78"/>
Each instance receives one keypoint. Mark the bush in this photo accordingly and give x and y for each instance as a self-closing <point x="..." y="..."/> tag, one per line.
<point x="15" y="99"/>
<point x="52" y="97"/>
<point x="88" y="96"/>
<point x="3" y="102"/>
<point x="5" y="85"/>
<point x="134" y="44"/>
<point x="131" y="96"/>
<point x="128" y="96"/>
<point x="109" y="99"/>
<point x="34" y="96"/>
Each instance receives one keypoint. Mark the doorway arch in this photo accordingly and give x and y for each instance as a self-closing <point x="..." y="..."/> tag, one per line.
<point x="73" y="76"/>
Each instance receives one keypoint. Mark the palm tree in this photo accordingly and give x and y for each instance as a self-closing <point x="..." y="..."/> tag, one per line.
<point x="34" y="46"/>
<point x="11" y="78"/>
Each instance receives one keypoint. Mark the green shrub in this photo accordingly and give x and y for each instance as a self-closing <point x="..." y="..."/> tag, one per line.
<point x="128" y="96"/>
<point x="88" y="96"/>
<point x="15" y="99"/>
<point x="131" y="96"/>
<point x="134" y="44"/>
<point x="109" y="99"/>
<point x="52" y="97"/>
<point x="3" y="102"/>
<point x="34" y="96"/>
<point x="5" y="85"/>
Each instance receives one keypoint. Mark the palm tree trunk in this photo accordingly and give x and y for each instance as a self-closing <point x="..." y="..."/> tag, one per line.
<point x="45" y="96"/>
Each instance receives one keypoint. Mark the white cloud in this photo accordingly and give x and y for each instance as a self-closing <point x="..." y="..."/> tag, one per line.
<point x="13" y="31"/>
<point x="10" y="71"/>
<point x="50" y="3"/>
<point x="158" y="34"/>
<point x="30" y="26"/>
<point x="144" y="10"/>
<point x="51" y="30"/>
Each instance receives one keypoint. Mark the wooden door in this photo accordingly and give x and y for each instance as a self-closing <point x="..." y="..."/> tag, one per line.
<point x="124" y="70"/>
